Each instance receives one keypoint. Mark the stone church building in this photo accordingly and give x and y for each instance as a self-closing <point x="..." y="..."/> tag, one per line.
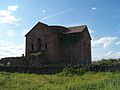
<point x="70" y="45"/>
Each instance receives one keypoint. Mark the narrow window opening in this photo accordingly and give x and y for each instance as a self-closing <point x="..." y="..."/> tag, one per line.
<point x="32" y="47"/>
<point x="45" y="45"/>
<point x="39" y="44"/>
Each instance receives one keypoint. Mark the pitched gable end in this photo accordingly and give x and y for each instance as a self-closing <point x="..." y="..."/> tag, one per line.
<point x="38" y="24"/>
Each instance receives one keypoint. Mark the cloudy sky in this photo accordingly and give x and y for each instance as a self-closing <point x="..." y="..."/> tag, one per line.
<point x="102" y="17"/>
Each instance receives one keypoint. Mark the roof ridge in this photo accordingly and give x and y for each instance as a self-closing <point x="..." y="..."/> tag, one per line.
<point x="78" y="26"/>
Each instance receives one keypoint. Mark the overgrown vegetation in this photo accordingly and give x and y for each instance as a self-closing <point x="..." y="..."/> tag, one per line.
<point x="71" y="78"/>
<point x="107" y="61"/>
<point x="71" y="71"/>
<point x="61" y="81"/>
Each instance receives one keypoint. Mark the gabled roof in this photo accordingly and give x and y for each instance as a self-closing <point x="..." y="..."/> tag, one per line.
<point x="39" y="23"/>
<point x="64" y="30"/>
<point x="58" y="29"/>
<point x="75" y="29"/>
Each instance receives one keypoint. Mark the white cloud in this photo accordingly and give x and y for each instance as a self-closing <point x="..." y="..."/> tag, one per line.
<point x="104" y="41"/>
<point x="115" y="55"/>
<point x="111" y="54"/>
<point x="12" y="8"/>
<point x="11" y="33"/>
<point x="93" y="8"/>
<point x="108" y="53"/>
<point x="57" y="14"/>
<point x="8" y="49"/>
<point x="118" y="43"/>
<point x="43" y="11"/>
<point x="118" y="54"/>
<point x="100" y="54"/>
<point x="6" y="16"/>
<point x="8" y="33"/>
<point x="91" y="31"/>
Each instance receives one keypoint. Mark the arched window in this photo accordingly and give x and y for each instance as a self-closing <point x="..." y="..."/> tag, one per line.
<point x="32" y="47"/>
<point x="39" y="43"/>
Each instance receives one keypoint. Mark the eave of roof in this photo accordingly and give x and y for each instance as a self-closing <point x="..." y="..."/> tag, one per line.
<point x="75" y="29"/>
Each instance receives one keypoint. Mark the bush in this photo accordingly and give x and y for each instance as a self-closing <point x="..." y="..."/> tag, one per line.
<point x="107" y="61"/>
<point x="70" y="71"/>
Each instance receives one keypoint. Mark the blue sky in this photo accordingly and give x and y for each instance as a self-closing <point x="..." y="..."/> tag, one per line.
<point x="102" y="17"/>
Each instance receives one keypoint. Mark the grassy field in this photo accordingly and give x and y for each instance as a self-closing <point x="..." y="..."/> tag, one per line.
<point x="88" y="81"/>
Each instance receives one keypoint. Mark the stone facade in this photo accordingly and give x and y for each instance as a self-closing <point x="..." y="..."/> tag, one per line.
<point x="71" y="45"/>
<point x="13" y="61"/>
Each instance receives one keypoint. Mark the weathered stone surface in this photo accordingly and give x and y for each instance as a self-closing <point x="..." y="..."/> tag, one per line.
<point x="13" y="61"/>
<point x="70" y="45"/>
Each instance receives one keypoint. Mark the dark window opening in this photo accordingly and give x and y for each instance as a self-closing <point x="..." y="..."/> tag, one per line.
<point x="32" y="47"/>
<point x="45" y="45"/>
<point x="39" y="44"/>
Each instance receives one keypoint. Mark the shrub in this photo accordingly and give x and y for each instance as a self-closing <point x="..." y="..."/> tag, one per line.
<point x="70" y="71"/>
<point x="106" y="61"/>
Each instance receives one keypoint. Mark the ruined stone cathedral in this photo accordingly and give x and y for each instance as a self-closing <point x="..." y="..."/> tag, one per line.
<point x="71" y="45"/>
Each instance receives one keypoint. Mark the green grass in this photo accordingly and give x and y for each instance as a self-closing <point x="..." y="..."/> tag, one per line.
<point x="88" y="81"/>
